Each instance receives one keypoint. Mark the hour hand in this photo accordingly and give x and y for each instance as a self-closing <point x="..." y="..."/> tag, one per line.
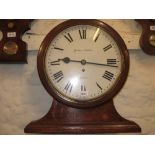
<point x="57" y="62"/>
<point x="65" y="60"/>
<point x="68" y="60"/>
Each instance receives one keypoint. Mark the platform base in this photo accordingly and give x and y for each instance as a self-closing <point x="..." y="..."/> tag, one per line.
<point x="62" y="119"/>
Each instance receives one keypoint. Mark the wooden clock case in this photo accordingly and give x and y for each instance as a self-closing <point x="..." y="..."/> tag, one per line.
<point x="71" y="117"/>
<point x="12" y="48"/>
<point x="147" y="39"/>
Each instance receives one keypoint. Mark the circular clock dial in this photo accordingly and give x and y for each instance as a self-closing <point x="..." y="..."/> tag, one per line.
<point x="83" y="62"/>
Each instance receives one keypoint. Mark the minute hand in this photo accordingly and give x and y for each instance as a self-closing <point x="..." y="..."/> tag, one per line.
<point x="93" y="63"/>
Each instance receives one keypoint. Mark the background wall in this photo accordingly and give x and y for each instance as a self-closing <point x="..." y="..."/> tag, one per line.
<point x="23" y="98"/>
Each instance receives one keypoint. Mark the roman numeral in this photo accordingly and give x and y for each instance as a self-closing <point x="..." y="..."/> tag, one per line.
<point x="82" y="34"/>
<point x="57" y="48"/>
<point x="107" y="47"/>
<point x="68" y="37"/>
<point x="55" y="63"/>
<point x="58" y="76"/>
<point x="111" y="61"/>
<point x="108" y="75"/>
<point x="69" y="87"/>
<point x="83" y="88"/>
<point x="98" y="86"/>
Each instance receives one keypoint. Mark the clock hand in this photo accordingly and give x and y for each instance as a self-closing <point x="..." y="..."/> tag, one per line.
<point x="93" y="63"/>
<point x="84" y="62"/>
<point x="68" y="60"/>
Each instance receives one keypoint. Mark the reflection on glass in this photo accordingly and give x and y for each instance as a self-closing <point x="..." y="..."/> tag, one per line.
<point x="74" y="81"/>
<point x="96" y="35"/>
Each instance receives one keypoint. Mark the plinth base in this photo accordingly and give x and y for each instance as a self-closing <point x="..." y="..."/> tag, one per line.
<point x="62" y="119"/>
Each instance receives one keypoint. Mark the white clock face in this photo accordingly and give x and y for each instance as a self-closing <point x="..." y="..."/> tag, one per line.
<point x="83" y="62"/>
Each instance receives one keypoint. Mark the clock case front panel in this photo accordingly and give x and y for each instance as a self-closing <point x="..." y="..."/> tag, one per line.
<point x="97" y="116"/>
